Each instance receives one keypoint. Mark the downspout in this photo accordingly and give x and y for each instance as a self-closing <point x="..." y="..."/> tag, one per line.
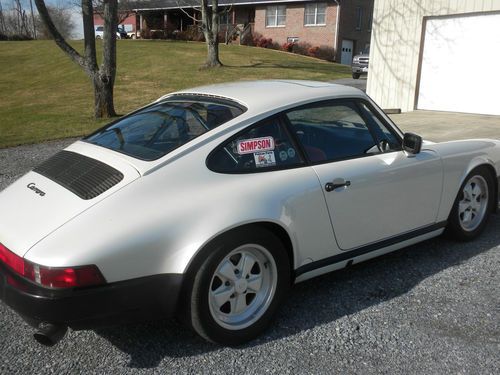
<point x="337" y="25"/>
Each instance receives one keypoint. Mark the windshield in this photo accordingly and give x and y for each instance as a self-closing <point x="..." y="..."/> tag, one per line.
<point x="160" y="128"/>
<point x="366" y="51"/>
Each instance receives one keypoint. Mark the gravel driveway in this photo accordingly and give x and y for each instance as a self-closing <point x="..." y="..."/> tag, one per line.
<point x="430" y="308"/>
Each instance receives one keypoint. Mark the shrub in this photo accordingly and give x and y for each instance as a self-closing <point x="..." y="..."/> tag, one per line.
<point x="158" y="34"/>
<point x="301" y="48"/>
<point x="313" y="51"/>
<point x="263" y="42"/>
<point x="288" y="47"/>
<point x="320" y="52"/>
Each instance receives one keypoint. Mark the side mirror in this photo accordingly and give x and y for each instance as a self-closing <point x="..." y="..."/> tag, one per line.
<point x="412" y="143"/>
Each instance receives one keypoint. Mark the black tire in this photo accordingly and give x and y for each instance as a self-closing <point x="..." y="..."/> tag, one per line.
<point x="455" y="229"/>
<point x="199" y="301"/>
<point x="356" y="75"/>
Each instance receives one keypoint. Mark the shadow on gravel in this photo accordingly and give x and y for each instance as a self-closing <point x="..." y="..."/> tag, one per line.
<point x="315" y="302"/>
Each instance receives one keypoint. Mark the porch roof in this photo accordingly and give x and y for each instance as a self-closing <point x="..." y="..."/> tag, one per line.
<point x="176" y="4"/>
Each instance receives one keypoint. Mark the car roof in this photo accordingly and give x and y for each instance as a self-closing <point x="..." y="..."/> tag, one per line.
<point x="272" y="93"/>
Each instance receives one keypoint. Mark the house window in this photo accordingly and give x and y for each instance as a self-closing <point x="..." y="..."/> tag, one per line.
<point x="359" y="16"/>
<point x="315" y="14"/>
<point x="275" y="15"/>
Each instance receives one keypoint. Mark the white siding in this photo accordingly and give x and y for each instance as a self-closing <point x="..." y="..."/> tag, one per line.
<point x="395" y="45"/>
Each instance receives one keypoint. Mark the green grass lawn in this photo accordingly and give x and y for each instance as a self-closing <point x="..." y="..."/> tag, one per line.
<point x="43" y="95"/>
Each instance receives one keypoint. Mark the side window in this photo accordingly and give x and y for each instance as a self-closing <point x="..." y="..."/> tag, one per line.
<point x="265" y="146"/>
<point x="332" y="131"/>
<point x="386" y="139"/>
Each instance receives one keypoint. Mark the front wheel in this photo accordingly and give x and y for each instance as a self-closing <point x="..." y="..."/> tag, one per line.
<point x="239" y="286"/>
<point x="356" y="75"/>
<point x="472" y="206"/>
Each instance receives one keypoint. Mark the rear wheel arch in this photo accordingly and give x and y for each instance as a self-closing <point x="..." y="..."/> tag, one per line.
<point x="274" y="228"/>
<point x="198" y="259"/>
<point x="195" y="308"/>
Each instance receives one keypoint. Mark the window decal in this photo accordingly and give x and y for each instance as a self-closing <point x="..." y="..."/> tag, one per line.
<point x="248" y="146"/>
<point x="283" y="155"/>
<point x="264" y="159"/>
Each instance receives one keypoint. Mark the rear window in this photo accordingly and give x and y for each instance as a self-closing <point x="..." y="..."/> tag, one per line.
<point x="153" y="132"/>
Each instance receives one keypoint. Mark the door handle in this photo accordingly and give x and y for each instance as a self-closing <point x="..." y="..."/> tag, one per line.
<point x="338" y="182"/>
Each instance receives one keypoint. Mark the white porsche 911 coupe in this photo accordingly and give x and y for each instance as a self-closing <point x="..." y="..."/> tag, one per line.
<point x="209" y="203"/>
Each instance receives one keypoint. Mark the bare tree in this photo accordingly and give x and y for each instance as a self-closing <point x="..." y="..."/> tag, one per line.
<point x="14" y="22"/>
<point x="2" y="21"/>
<point x="102" y="77"/>
<point x="33" y="19"/>
<point x="210" y="22"/>
<point x="22" y="18"/>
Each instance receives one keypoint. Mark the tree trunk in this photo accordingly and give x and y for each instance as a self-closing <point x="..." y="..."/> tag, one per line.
<point x="103" y="96"/>
<point x="107" y="70"/>
<point x="213" y="54"/>
<point x="103" y="78"/>
<point x="210" y="27"/>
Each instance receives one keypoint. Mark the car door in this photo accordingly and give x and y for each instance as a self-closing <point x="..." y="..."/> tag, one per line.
<point x="372" y="188"/>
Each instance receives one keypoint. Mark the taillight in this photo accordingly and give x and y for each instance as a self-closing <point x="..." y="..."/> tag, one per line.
<point x="52" y="277"/>
<point x="11" y="259"/>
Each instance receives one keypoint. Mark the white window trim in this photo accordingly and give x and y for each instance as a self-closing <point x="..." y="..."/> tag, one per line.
<point x="359" y="18"/>
<point x="315" y="15"/>
<point x="275" y="16"/>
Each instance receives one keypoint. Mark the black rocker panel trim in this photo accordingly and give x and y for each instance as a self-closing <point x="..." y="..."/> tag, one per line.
<point x="84" y="176"/>
<point x="368" y="248"/>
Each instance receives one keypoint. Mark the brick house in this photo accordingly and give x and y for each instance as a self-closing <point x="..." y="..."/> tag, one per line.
<point x="344" y="26"/>
<point x="127" y="21"/>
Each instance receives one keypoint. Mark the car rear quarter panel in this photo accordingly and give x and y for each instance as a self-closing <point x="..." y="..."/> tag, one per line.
<point x="158" y="223"/>
<point x="459" y="159"/>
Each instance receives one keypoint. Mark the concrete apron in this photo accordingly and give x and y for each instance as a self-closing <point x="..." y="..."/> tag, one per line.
<point x="447" y="126"/>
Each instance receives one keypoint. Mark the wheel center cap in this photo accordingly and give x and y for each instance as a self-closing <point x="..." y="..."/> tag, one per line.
<point x="241" y="286"/>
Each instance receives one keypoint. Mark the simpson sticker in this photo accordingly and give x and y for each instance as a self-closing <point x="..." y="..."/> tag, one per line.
<point x="248" y="146"/>
<point x="264" y="159"/>
<point x="291" y="153"/>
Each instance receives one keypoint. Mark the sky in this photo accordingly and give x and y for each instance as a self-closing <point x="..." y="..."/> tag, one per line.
<point x="76" y="16"/>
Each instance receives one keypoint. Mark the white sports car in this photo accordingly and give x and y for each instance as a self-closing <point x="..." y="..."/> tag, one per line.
<point x="210" y="203"/>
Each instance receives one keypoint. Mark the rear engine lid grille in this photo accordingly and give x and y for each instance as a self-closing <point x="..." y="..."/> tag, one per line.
<point x="84" y="176"/>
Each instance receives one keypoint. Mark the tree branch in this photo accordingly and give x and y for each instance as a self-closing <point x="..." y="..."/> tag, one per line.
<point x="58" y="38"/>
<point x="190" y="16"/>
<point x="225" y="10"/>
<point x="89" y="37"/>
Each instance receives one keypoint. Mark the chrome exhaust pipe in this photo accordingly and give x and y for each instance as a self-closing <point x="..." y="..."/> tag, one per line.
<point x="49" y="334"/>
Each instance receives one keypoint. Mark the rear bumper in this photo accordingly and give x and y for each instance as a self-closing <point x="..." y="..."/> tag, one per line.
<point x="139" y="299"/>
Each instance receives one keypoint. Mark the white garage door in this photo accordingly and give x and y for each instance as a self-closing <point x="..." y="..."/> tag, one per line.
<point x="461" y="65"/>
